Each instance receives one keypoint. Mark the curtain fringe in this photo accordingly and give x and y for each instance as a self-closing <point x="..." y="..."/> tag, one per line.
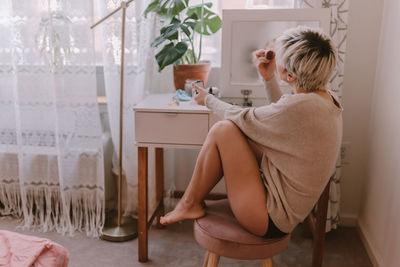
<point x="86" y="211"/>
<point x="10" y="199"/>
<point x="45" y="209"/>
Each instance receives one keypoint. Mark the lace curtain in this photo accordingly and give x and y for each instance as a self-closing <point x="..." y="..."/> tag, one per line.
<point x="51" y="159"/>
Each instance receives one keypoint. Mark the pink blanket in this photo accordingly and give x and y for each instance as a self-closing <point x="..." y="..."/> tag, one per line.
<point x="17" y="250"/>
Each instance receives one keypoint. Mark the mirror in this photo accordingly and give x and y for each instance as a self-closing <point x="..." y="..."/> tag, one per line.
<point x="248" y="36"/>
<point x="247" y="30"/>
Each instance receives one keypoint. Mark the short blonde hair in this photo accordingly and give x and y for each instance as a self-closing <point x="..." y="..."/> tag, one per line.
<point x="307" y="53"/>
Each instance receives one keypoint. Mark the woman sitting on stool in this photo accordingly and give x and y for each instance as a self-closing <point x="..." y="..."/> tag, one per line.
<point x="277" y="158"/>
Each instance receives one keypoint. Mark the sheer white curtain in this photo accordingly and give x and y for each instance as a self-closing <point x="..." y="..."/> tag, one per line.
<point x="140" y="80"/>
<point x="51" y="159"/>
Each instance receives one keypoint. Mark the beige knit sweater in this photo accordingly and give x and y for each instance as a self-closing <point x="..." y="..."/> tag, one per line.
<point x="300" y="136"/>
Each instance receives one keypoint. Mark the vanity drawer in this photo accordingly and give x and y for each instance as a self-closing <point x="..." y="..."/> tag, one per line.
<point x="171" y="127"/>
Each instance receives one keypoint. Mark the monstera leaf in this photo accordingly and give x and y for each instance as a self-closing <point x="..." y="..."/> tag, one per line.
<point x="169" y="32"/>
<point x="210" y="23"/>
<point x="166" y="8"/>
<point x="181" y="24"/>
<point x="170" y="53"/>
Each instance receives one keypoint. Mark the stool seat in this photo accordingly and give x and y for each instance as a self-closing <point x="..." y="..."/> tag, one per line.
<point x="219" y="232"/>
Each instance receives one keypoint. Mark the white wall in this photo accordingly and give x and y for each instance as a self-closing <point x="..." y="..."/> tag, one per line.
<point x="380" y="214"/>
<point x="362" y="46"/>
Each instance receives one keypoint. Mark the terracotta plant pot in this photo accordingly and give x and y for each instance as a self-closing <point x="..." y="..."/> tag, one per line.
<point x="197" y="71"/>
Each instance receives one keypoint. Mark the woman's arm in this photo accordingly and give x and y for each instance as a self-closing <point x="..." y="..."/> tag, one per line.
<point x="266" y="68"/>
<point x="218" y="107"/>
<point x="231" y="112"/>
<point x="273" y="91"/>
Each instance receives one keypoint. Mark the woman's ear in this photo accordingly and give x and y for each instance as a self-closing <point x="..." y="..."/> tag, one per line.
<point x="290" y="77"/>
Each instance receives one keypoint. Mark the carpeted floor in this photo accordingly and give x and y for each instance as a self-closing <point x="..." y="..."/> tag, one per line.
<point x="175" y="246"/>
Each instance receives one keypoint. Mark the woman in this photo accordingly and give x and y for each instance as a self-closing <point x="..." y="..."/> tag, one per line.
<point x="276" y="159"/>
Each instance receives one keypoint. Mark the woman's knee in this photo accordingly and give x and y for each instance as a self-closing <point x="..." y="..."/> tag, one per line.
<point x="224" y="127"/>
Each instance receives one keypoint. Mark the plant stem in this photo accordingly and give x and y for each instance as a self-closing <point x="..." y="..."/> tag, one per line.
<point x="179" y="33"/>
<point x="192" y="45"/>
<point x="194" y="55"/>
<point x="201" y="28"/>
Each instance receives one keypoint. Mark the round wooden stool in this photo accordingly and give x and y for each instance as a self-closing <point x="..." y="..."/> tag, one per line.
<point x="221" y="235"/>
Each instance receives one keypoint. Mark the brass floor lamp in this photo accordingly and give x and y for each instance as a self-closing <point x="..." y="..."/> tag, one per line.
<point x="120" y="228"/>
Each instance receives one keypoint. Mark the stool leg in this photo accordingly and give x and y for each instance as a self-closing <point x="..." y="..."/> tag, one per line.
<point x="205" y="263"/>
<point x="213" y="260"/>
<point x="267" y="262"/>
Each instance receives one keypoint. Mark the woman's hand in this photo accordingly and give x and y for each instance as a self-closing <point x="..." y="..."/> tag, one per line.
<point x="266" y="67"/>
<point x="199" y="94"/>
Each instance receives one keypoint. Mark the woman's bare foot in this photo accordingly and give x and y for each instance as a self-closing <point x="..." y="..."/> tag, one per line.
<point x="183" y="210"/>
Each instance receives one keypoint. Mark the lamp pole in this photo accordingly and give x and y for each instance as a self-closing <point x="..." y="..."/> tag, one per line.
<point x="121" y="228"/>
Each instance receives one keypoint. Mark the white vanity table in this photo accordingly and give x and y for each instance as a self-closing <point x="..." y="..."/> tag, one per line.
<point x="160" y="123"/>
<point x="163" y="123"/>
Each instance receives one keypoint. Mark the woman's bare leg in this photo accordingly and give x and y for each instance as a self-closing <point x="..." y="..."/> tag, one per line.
<point x="207" y="172"/>
<point x="226" y="152"/>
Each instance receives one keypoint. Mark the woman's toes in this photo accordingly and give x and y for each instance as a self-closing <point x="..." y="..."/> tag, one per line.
<point x="179" y="214"/>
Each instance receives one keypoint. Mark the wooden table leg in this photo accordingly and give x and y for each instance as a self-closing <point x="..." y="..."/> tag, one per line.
<point x="142" y="204"/>
<point x="160" y="184"/>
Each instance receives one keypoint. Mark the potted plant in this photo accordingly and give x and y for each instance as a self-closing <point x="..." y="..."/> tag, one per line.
<point x="181" y="25"/>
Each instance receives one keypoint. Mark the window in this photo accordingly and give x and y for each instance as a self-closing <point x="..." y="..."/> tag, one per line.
<point x="270" y="3"/>
<point x="211" y="44"/>
<point x="97" y="33"/>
